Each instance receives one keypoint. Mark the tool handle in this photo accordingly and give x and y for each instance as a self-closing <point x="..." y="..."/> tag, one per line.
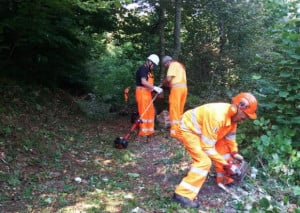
<point x="153" y="99"/>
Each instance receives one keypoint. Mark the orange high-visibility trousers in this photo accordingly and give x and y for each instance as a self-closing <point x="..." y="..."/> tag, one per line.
<point x="191" y="184"/>
<point x="177" y="99"/>
<point x="224" y="150"/>
<point x="144" y="99"/>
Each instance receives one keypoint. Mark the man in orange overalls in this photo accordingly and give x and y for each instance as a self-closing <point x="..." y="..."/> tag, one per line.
<point x="143" y="95"/>
<point x="176" y="80"/>
<point x="207" y="132"/>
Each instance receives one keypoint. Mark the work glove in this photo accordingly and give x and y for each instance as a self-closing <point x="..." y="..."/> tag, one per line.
<point x="237" y="156"/>
<point x="232" y="169"/>
<point x="157" y="89"/>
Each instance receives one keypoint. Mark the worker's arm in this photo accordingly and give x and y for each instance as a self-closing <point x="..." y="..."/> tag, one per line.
<point x="146" y="84"/>
<point x="230" y="140"/>
<point x="151" y="87"/>
<point x="167" y="81"/>
<point x="215" y="156"/>
<point x="210" y="149"/>
<point x="209" y="137"/>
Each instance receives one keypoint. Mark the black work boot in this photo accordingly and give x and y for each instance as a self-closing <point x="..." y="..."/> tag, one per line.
<point x="184" y="201"/>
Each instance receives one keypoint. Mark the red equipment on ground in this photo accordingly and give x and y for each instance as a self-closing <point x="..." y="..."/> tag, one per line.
<point x="122" y="142"/>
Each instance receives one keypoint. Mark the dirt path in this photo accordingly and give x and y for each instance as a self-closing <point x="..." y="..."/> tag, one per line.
<point x="55" y="160"/>
<point x="164" y="162"/>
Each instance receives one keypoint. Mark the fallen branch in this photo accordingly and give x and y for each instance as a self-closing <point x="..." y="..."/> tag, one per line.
<point x="221" y="185"/>
<point x="4" y="162"/>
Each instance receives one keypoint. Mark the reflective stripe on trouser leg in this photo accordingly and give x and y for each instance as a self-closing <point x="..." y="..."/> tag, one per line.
<point x="143" y="99"/>
<point x="192" y="183"/>
<point x="174" y="127"/>
<point x="177" y="99"/>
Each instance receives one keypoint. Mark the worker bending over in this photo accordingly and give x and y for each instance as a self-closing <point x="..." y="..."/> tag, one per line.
<point x="208" y="134"/>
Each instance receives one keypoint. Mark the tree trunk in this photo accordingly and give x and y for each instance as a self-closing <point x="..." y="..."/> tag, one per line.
<point x="222" y="35"/>
<point x="162" y="12"/>
<point x="177" y="44"/>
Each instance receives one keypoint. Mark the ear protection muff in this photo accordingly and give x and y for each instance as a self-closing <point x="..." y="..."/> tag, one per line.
<point x="244" y="104"/>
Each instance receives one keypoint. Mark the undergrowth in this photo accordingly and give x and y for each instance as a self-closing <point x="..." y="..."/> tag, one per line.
<point x="54" y="158"/>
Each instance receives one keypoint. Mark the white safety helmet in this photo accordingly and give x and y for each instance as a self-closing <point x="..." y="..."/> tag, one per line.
<point x="154" y="58"/>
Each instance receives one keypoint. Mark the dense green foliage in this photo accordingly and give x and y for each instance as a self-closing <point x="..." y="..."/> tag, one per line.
<point x="48" y="42"/>
<point x="279" y="73"/>
<point x="227" y="47"/>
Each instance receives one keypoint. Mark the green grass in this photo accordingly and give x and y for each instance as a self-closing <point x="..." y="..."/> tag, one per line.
<point x="48" y="145"/>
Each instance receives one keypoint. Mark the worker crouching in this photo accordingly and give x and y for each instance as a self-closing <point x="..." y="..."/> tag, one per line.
<point x="208" y="133"/>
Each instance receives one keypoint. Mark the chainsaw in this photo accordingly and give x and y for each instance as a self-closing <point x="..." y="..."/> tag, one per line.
<point x="237" y="170"/>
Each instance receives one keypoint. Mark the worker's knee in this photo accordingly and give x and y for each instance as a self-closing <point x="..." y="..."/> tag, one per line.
<point x="208" y="163"/>
<point x="204" y="162"/>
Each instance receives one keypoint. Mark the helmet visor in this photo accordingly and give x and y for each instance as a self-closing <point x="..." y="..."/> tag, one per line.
<point x="251" y="115"/>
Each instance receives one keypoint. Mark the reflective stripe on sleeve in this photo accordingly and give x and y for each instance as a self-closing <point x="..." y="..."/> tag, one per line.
<point x="226" y="156"/>
<point x="208" y="141"/>
<point x="231" y="136"/>
<point x="183" y="127"/>
<point x="211" y="152"/>
<point x="195" y="123"/>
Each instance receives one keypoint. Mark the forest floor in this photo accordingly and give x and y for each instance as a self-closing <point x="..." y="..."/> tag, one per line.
<point x="55" y="159"/>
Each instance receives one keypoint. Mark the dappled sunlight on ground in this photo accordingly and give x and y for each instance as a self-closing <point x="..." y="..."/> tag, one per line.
<point x="99" y="199"/>
<point x="58" y="161"/>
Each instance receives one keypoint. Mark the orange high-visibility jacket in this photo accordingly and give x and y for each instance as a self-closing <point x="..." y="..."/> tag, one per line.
<point x="178" y="94"/>
<point x="201" y="129"/>
<point x="212" y="123"/>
